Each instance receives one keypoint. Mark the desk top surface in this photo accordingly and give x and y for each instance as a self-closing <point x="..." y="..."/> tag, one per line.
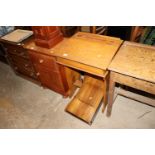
<point x="136" y="60"/>
<point x="89" y="49"/>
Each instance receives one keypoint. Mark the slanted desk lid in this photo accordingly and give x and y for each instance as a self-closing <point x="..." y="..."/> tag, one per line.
<point x="17" y="35"/>
<point x="90" y="49"/>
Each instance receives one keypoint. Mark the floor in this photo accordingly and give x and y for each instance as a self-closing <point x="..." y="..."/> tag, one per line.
<point x="24" y="104"/>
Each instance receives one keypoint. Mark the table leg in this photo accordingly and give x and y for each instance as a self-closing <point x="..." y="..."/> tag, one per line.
<point x="105" y="100"/>
<point x="110" y="94"/>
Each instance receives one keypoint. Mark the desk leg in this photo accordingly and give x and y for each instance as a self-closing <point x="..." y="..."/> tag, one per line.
<point x="105" y="101"/>
<point x="110" y="94"/>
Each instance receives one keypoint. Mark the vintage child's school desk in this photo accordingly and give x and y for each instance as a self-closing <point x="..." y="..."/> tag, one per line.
<point x="134" y="66"/>
<point x="91" y="54"/>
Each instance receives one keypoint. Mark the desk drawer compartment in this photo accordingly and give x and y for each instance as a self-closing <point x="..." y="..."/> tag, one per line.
<point x="50" y="79"/>
<point x="19" y="51"/>
<point x="20" y="61"/>
<point x="26" y="71"/>
<point x="46" y="61"/>
<point x="22" y="65"/>
<point x="82" y="67"/>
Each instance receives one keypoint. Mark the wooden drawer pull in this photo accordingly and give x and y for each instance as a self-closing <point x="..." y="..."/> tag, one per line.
<point x="41" y="61"/>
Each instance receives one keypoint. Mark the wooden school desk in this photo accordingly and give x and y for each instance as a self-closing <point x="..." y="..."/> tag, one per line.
<point x="133" y="66"/>
<point x="91" y="54"/>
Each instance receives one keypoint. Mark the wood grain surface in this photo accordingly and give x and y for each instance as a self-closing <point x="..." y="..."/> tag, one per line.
<point x="85" y="104"/>
<point x="33" y="47"/>
<point x="90" y="49"/>
<point x="82" y="67"/>
<point x="136" y="60"/>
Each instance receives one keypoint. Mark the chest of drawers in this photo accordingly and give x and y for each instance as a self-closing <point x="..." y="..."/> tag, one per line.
<point x="19" y="59"/>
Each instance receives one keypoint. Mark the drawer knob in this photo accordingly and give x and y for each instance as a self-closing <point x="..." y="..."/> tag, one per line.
<point x="38" y="74"/>
<point x="41" y="61"/>
<point x="26" y="65"/>
<point x="14" y="50"/>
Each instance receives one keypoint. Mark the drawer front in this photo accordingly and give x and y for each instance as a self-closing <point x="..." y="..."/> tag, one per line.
<point x="22" y="65"/>
<point x="44" y="60"/>
<point x="17" y="50"/>
<point x="21" y="61"/>
<point x="50" y="78"/>
<point x="82" y="67"/>
<point x="25" y="71"/>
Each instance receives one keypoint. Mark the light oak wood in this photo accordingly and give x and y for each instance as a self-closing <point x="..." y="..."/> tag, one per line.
<point x="91" y="54"/>
<point x="128" y="81"/>
<point x="85" y="104"/>
<point x="105" y="93"/>
<point x="86" y="93"/>
<point x="78" y="83"/>
<point x="89" y="49"/>
<point x="110" y="93"/>
<point x="71" y="76"/>
<point x="81" y="67"/>
<point x="81" y="55"/>
<point x="135" y="60"/>
<point x="81" y="110"/>
<point x="137" y="97"/>
<point x="134" y="82"/>
<point x="134" y="66"/>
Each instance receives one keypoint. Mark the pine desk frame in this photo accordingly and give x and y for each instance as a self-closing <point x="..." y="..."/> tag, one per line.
<point x="128" y="81"/>
<point x="90" y="53"/>
<point x="133" y="67"/>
